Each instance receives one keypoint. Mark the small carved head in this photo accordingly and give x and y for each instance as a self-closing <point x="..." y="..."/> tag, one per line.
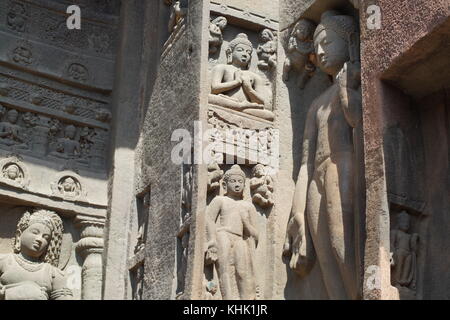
<point x="332" y="41"/>
<point x="13" y="115"/>
<point x="12" y="172"/>
<point x="403" y="221"/>
<point x="70" y="132"/>
<point x="258" y="171"/>
<point x="220" y="22"/>
<point x="234" y="181"/>
<point x="69" y="185"/>
<point x="239" y="51"/>
<point x="39" y="236"/>
<point x="267" y="35"/>
<point x="303" y="30"/>
<point x="17" y="9"/>
<point x="30" y="119"/>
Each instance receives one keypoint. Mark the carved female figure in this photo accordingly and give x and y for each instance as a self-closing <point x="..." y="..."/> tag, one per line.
<point x="267" y="50"/>
<point x="216" y="28"/>
<point x="261" y="185"/>
<point x="300" y="47"/>
<point x="31" y="273"/>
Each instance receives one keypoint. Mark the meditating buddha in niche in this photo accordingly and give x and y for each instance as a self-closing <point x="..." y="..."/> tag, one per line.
<point x="234" y="86"/>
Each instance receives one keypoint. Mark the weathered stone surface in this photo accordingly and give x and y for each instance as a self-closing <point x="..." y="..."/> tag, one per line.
<point x="224" y="149"/>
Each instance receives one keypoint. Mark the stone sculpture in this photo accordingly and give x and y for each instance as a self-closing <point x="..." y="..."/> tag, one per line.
<point x="234" y="86"/>
<point x="267" y="50"/>
<point x="261" y="185"/>
<point x="69" y="187"/>
<point x="31" y="273"/>
<point x="177" y="13"/>
<point x="17" y="17"/>
<point x="214" y="176"/>
<point x="232" y="238"/>
<point x="300" y="48"/>
<point x="324" y="197"/>
<point x="216" y="28"/>
<point x="67" y="147"/>
<point x="404" y="248"/>
<point x="13" y="172"/>
<point x="11" y="133"/>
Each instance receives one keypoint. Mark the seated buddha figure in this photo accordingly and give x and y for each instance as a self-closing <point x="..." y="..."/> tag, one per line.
<point x="11" y="133"/>
<point x="31" y="273"/>
<point x="234" y="86"/>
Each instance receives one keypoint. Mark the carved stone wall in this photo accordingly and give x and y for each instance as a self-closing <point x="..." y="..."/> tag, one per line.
<point x="55" y="115"/>
<point x="225" y="149"/>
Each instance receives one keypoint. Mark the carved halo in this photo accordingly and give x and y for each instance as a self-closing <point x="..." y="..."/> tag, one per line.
<point x="14" y="172"/>
<point x="68" y="185"/>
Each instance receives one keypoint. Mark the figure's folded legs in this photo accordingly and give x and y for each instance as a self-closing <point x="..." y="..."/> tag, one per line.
<point x="265" y="114"/>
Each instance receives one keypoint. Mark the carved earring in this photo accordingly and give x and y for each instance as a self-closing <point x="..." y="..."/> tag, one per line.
<point x="229" y="56"/>
<point x="17" y="244"/>
<point x="224" y="186"/>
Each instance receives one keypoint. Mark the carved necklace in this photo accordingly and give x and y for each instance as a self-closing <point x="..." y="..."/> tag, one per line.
<point x="28" y="265"/>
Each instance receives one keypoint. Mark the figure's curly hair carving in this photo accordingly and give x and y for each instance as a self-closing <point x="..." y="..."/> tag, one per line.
<point x="53" y="222"/>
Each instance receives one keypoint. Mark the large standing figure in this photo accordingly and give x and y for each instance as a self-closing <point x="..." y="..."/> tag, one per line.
<point x="323" y="206"/>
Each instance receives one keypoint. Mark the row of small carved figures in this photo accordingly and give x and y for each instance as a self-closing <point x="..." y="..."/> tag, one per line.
<point x="53" y="27"/>
<point x="17" y="130"/>
<point x="14" y="172"/>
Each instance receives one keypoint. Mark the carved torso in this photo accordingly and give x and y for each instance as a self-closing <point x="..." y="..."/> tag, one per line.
<point x="68" y="147"/>
<point x="229" y="74"/>
<point x="232" y="213"/>
<point x="10" y="131"/>
<point x="334" y="135"/>
<point x="43" y="274"/>
<point x="402" y="242"/>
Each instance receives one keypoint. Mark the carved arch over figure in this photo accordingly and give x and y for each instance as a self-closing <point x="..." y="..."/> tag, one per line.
<point x="69" y="186"/>
<point x="14" y="172"/>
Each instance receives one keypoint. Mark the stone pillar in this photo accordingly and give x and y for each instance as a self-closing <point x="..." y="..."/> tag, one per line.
<point x="126" y="101"/>
<point x="90" y="248"/>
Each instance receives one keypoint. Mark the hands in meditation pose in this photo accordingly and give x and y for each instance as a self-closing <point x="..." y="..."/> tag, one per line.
<point x="234" y="86"/>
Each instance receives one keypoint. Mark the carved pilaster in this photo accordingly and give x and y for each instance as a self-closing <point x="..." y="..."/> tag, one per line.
<point x="90" y="248"/>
